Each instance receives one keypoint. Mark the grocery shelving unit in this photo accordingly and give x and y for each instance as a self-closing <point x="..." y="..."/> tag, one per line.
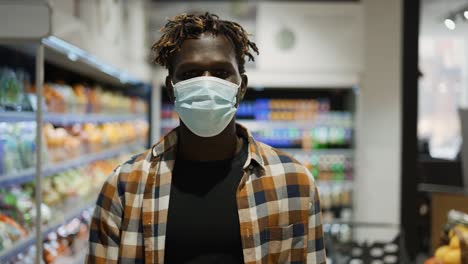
<point x="26" y="243"/>
<point x="67" y="119"/>
<point x="331" y="163"/>
<point x="25" y="27"/>
<point x="27" y="175"/>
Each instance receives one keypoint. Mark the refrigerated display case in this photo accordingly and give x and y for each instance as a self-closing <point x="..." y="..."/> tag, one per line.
<point x="315" y="125"/>
<point x="59" y="139"/>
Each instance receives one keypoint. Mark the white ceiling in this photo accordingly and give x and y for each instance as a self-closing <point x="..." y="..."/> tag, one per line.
<point x="433" y="13"/>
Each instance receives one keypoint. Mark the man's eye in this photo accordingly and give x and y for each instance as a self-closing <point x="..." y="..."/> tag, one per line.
<point x="221" y="74"/>
<point x="188" y="75"/>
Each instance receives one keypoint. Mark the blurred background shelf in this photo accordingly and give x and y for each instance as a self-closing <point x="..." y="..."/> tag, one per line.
<point x="70" y="57"/>
<point x="69" y="119"/>
<point x="29" y="174"/>
<point x="297" y="151"/>
<point x="17" y="116"/>
<point x="270" y="124"/>
<point x="435" y="188"/>
<point x="26" y="243"/>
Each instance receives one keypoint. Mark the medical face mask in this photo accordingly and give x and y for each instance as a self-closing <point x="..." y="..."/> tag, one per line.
<point x="205" y="104"/>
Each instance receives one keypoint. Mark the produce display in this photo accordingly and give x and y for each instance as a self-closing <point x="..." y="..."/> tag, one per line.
<point x="15" y="85"/>
<point x="61" y="193"/>
<point x="80" y="119"/>
<point x="82" y="99"/>
<point x="65" y="245"/>
<point x="69" y="241"/>
<point x="17" y="146"/>
<point x="454" y="241"/>
<point x="79" y="139"/>
<point x="12" y="90"/>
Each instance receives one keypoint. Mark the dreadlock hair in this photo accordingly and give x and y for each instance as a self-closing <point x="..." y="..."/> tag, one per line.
<point x="189" y="26"/>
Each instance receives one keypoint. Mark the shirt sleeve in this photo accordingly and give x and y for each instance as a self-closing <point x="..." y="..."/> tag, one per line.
<point x="104" y="236"/>
<point x="315" y="244"/>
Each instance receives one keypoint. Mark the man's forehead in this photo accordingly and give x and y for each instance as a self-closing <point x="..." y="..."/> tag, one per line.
<point x="206" y="47"/>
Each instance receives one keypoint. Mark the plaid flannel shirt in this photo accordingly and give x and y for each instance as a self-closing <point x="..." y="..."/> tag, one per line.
<point x="278" y="206"/>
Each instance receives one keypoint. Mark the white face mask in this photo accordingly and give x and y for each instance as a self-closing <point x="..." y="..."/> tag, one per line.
<point x="205" y="104"/>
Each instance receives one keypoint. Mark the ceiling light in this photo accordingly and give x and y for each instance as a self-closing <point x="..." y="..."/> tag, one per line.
<point x="465" y="14"/>
<point x="450" y="23"/>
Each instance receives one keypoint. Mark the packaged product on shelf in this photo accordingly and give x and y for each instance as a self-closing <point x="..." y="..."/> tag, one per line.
<point x="68" y="96"/>
<point x="68" y="242"/>
<point x="10" y="160"/>
<point x="60" y="144"/>
<point x="327" y="167"/>
<point x="17" y="147"/>
<point x="10" y="232"/>
<point x="26" y="132"/>
<point x="12" y="96"/>
<point x="80" y="92"/>
<point x="81" y="99"/>
<point x="17" y="203"/>
<point x="336" y="200"/>
<point x="54" y="100"/>
<point x="80" y="139"/>
<point x="63" y="193"/>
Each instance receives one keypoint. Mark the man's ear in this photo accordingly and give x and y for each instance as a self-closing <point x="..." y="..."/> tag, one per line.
<point x="242" y="88"/>
<point x="170" y="88"/>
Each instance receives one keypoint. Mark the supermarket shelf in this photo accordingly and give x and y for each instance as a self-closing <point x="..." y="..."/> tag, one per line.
<point x="17" y="116"/>
<point x="29" y="174"/>
<point x="345" y="152"/>
<point x="24" y="244"/>
<point x="435" y="188"/>
<point x="17" y="248"/>
<point x="67" y="119"/>
<point x="262" y="124"/>
<point x="73" y="58"/>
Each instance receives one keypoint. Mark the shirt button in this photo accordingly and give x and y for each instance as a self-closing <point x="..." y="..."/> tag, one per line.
<point x="250" y="167"/>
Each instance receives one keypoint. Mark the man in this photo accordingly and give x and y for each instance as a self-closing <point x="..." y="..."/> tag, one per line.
<point x="207" y="192"/>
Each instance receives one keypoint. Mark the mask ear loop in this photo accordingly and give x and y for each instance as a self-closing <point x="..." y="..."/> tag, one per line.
<point x="235" y="97"/>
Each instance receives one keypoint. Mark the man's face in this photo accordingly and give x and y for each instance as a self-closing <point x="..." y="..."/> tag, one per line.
<point x="207" y="55"/>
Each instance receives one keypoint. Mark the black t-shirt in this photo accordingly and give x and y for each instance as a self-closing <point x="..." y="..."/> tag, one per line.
<point x="203" y="222"/>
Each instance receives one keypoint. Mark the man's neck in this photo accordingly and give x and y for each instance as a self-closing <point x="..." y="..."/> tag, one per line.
<point x="220" y="147"/>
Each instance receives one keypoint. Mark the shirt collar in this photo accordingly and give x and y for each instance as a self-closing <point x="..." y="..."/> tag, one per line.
<point x="169" y="141"/>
